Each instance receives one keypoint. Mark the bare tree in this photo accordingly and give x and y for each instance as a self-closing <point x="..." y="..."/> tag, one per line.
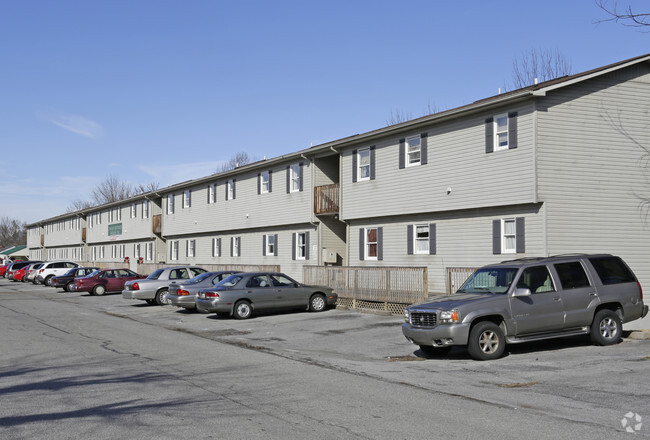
<point x="626" y="16"/>
<point x="397" y="117"/>
<point x="111" y="189"/>
<point x="12" y="232"/>
<point x="78" y="205"/>
<point x="539" y="65"/>
<point x="145" y="188"/>
<point x="238" y="160"/>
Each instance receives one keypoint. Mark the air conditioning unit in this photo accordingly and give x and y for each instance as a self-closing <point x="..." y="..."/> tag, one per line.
<point x="329" y="256"/>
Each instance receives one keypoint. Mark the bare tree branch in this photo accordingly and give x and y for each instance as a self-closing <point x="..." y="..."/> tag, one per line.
<point x="236" y="161"/>
<point x="539" y="64"/>
<point x="12" y="232"/>
<point x="397" y="117"/>
<point x="627" y="17"/>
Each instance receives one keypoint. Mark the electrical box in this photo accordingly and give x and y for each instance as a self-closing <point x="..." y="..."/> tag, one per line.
<point x="329" y="256"/>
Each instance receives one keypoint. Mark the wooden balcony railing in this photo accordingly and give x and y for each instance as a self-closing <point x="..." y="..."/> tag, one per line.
<point x="326" y="199"/>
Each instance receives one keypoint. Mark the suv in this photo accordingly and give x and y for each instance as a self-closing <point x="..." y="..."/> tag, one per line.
<point x="53" y="269"/>
<point x="530" y="299"/>
<point x="155" y="287"/>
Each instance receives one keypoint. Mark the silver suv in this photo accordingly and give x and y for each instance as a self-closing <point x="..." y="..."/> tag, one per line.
<point x="530" y="299"/>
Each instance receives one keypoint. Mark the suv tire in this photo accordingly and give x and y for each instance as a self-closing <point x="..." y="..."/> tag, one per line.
<point x="606" y="328"/>
<point x="486" y="341"/>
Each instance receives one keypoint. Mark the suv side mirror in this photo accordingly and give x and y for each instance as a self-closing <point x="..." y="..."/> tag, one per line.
<point x="522" y="292"/>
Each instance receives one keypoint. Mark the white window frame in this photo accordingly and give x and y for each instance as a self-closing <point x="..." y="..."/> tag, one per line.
<point x="187" y="198"/>
<point x="215" y="247"/>
<point x="230" y="186"/>
<point x="295" y="178"/>
<point x="134" y="210"/>
<point x="360" y="174"/>
<point x="417" y="239"/>
<point x="270" y="244"/>
<point x="212" y="193"/>
<point x="236" y="245"/>
<point x="118" y="217"/>
<point x="190" y="248"/>
<point x="173" y="250"/>
<point x="264" y="182"/>
<point x="409" y="153"/>
<point x="301" y="245"/>
<point x="501" y="133"/>
<point x="170" y="203"/>
<point x="509" y="236"/>
<point x="136" y="250"/>
<point x="368" y="244"/>
<point x="149" y="252"/>
<point x="145" y="209"/>
<point x="110" y="216"/>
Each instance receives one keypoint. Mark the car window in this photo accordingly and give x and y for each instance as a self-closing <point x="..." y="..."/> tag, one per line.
<point x="197" y="279"/>
<point x="489" y="280"/>
<point x="70" y="265"/>
<point x="179" y="274"/>
<point x="282" y="280"/>
<point x="155" y="274"/>
<point x="572" y="275"/>
<point x="70" y="273"/>
<point x="612" y="270"/>
<point x="197" y="271"/>
<point x="537" y="279"/>
<point x="258" y="281"/>
<point x="231" y="281"/>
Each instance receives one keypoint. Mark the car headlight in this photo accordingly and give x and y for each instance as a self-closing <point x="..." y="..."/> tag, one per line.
<point x="406" y="315"/>
<point x="448" y="317"/>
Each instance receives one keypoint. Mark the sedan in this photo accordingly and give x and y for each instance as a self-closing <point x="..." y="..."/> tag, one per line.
<point x="101" y="281"/>
<point x="154" y="289"/>
<point x="241" y="294"/>
<point x="182" y="294"/>
<point x="66" y="281"/>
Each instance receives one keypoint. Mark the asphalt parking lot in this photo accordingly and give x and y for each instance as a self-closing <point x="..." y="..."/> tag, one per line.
<point x="566" y="377"/>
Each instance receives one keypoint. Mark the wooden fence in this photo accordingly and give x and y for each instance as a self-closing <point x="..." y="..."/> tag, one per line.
<point x="456" y="276"/>
<point x="147" y="268"/>
<point x="377" y="288"/>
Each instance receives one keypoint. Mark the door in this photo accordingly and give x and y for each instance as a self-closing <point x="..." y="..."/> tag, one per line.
<point x="290" y="294"/>
<point x="261" y="292"/>
<point x="577" y="293"/>
<point x="542" y="311"/>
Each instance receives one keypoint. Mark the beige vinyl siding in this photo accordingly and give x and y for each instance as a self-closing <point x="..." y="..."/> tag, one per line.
<point x="247" y="210"/>
<point x="463" y="239"/>
<point x="591" y="176"/>
<point x="456" y="160"/>
<point x="251" y="249"/>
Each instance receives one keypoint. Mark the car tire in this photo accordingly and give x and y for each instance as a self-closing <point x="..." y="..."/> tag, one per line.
<point x="606" y="329"/>
<point x="486" y="341"/>
<point x="47" y="280"/>
<point x="317" y="303"/>
<point x="99" y="290"/>
<point x="68" y="287"/>
<point x="242" y="310"/>
<point x="432" y="351"/>
<point x="161" y="297"/>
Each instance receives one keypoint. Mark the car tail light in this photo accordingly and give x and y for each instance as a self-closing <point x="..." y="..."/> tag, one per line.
<point x="640" y="290"/>
<point x="135" y="286"/>
<point x="181" y="292"/>
<point x="41" y="270"/>
<point x="211" y="295"/>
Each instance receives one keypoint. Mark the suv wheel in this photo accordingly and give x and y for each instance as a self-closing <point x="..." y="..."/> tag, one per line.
<point x="486" y="341"/>
<point x="606" y="328"/>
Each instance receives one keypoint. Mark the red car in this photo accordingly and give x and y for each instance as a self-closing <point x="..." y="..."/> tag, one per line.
<point x="3" y="269"/>
<point x="108" y="280"/>
<point x="20" y="273"/>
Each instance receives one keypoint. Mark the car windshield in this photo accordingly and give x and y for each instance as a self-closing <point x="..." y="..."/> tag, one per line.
<point x="230" y="281"/>
<point x="197" y="279"/>
<point x="155" y="274"/>
<point x="92" y="274"/>
<point x="71" y="272"/>
<point x="489" y="280"/>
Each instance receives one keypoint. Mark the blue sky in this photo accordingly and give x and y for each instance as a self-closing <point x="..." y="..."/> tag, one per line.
<point x="165" y="91"/>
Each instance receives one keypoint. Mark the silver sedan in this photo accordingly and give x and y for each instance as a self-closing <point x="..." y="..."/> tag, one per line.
<point x="241" y="294"/>
<point x="183" y="293"/>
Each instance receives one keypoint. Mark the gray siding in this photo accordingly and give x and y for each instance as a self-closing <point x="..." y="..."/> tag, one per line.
<point x="456" y="160"/>
<point x="591" y="175"/>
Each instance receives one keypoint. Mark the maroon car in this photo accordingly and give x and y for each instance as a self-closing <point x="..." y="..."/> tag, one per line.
<point x="102" y="281"/>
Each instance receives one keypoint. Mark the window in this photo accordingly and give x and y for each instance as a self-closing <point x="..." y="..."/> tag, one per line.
<point x="187" y="198"/>
<point x="235" y="246"/>
<point x="301" y="246"/>
<point x="612" y="270"/>
<point x="421" y="239"/>
<point x="190" y="246"/>
<point x="537" y="279"/>
<point x="114" y="251"/>
<point x="216" y="247"/>
<point x="173" y="250"/>
<point x="170" y="204"/>
<point x="136" y="251"/>
<point x="501" y="132"/>
<point x="145" y="209"/>
<point x="212" y="193"/>
<point x="118" y="214"/>
<point x="370" y="243"/>
<point x="572" y="275"/>
<point x="413" y="151"/>
<point x="134" y="210"/>
<point x="508" y="236"/>
<point x="230" y="190"/>
<point x="270" y="245"/>
<point x="101" y="252"/>
<point x="110" y="216"/>
<point x="149" y="252"/>
<point x="264" y="182"/>
<point x="294" y="177"/>
<point x="98" y="218"/>
<point x="364" y="164"/>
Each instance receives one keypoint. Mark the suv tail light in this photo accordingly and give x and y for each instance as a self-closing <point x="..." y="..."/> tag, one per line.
<point x="41" y="270"/>
<point x="211" y="295"/>
<point x="181" y="292"/>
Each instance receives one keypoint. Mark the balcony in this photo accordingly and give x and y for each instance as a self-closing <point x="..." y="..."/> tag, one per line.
<point x="326" y="200"/>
